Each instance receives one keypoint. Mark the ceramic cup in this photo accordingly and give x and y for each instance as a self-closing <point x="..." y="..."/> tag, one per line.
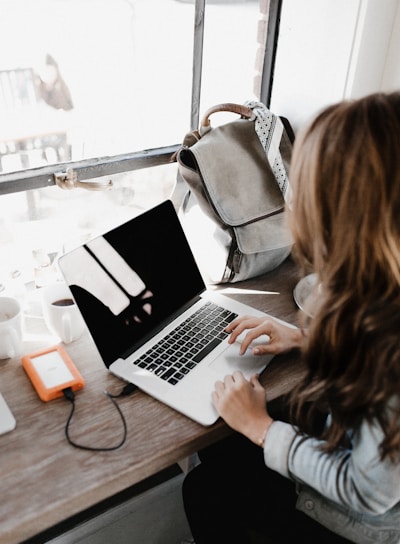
<point x="10" y="327"/>
<point x="60" y="312"/>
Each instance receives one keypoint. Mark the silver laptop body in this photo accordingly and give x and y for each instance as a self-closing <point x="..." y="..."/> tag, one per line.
<point x="134" y="285"/>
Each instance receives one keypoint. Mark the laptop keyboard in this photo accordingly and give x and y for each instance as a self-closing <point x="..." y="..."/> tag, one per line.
<point x="183" y="348"/>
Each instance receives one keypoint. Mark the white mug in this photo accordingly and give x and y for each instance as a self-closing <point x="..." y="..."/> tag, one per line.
<point x="10" y="327"/>
<point x="60" y="312"/>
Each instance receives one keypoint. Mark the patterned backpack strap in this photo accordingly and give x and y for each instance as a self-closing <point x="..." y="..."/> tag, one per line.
<point x="269" y="129"/>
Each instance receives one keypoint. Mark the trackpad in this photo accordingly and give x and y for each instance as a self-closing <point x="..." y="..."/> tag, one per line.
<point x="230" y="360"/>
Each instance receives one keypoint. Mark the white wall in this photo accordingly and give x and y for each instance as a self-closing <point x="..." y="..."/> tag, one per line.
<point x="334" y="49"/>
<point x="391" y="76"/>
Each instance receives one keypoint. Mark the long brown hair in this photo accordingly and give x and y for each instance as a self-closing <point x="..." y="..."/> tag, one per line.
<point x="345" y="219"/>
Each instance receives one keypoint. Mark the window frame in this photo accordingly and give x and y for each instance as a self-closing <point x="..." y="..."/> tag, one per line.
<point x="87" y="169"/>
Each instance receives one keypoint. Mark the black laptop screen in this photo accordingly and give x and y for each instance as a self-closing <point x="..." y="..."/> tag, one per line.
<point x="129" y="281"/>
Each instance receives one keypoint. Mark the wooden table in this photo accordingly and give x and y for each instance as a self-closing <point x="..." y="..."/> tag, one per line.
<point x="45" y="481"/>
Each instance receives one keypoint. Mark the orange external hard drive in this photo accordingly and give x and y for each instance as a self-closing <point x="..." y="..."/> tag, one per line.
<point x="51" y="370"/>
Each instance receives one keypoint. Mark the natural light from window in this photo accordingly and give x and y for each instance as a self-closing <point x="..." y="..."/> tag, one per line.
<point x="96" y="78"/>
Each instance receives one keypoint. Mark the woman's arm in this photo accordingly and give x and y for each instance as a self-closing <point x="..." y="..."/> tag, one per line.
<point x="355" y="477"/>
<point x="242" y="404"/>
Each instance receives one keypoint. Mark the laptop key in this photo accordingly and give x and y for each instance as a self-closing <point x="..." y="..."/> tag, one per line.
<point x="206" y="350"/>
<point x="168" y="374"/>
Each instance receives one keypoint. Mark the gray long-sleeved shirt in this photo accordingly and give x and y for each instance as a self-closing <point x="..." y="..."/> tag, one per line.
<point x="351" y="492"/>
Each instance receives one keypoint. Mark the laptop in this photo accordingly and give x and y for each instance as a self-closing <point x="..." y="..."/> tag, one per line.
<point x="135" y="286"/>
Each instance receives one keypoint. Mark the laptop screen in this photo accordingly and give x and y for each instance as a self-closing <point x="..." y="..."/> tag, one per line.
<point x="129" y="281"/>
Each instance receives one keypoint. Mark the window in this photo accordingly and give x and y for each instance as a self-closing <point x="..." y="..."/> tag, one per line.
<point x="109" y="88"/>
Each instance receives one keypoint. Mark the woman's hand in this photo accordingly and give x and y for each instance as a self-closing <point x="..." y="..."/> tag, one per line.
<point x="242" y="404"/>
<point x="281" y="337"/>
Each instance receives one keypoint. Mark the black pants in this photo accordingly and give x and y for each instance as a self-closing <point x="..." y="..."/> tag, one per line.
<point x="233" y="498"/>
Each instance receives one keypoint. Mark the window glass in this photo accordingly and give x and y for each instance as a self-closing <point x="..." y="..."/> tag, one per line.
<point x="91" y="78"/>
<point x="84" y="79"/>
<point x="230" y="61"/>
<point x="36" y="226"/>
<point x="101" y="77"/>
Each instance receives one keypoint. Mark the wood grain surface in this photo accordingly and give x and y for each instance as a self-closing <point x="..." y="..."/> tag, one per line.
<point x="44" y="480"/>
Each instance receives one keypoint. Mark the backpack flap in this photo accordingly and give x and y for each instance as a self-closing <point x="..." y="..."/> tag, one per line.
<point x="233" y="183"/>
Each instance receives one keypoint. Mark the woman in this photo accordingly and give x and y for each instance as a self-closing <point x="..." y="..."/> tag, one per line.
<point x="338" y="481"/>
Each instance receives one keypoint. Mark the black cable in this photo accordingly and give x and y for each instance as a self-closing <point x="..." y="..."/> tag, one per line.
<point x="70" y="395"/>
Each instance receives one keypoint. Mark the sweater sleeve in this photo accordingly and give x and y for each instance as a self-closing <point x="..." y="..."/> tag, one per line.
<point x="355" y="478"/>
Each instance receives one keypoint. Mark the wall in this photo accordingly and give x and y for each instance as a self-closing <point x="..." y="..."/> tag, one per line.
<point x="334" y="49"/>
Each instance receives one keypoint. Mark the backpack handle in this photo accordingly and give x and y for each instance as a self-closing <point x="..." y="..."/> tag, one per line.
<point x="240" y="109"/>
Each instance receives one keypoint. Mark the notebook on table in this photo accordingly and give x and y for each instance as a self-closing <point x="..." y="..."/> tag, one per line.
<point x="139" y="290"/>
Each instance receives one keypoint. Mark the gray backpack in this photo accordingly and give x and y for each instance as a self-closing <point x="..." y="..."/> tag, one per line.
<point x="236" y="183"/>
